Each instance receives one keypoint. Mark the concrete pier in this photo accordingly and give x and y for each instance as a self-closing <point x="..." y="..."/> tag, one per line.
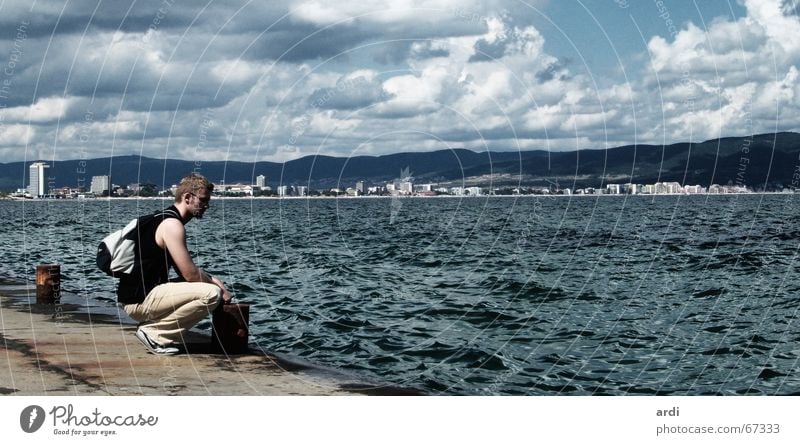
<point x="54" y="350"/>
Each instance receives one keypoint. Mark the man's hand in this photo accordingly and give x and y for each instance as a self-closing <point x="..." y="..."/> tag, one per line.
<point x="226" y="296"/>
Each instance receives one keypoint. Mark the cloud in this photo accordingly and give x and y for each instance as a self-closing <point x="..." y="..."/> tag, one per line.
<point x="278" y="80"/>
<point x="428" y="50"/>
<point x="45" y="110"/>
<point x="16" y="135"/>
<point x="729" y="79"/>
<point x="553" y="70"/>
<point x="141" y="75"/>
<point x="152" y="91"/>
<point x="357" y="90"/>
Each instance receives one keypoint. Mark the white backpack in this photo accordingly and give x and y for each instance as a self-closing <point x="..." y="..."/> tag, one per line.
<point x="117" y="253"/>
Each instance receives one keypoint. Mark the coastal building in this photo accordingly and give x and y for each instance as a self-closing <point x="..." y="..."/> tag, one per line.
<point x="631" y="189"/>
<point x="693" y="189"/>
<point x="301" y="190"/>
<point x="283" y="190"/>
<point x="666" y="188"/>
<point x="474" y="191"/>
<point x="406" y="187"/>
<point x="36" y="186"/>
<point x="101" y="185"/>
<point x="239" y="189"/>
<point x="67" y="192"/>
<point x="673" y="187"/>
<point x="613" y="189"/>
<point x="361" y="187"/>
<point x="261" y="181"/>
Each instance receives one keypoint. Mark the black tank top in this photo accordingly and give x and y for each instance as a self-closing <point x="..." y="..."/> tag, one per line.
<point x="152" y="262"/>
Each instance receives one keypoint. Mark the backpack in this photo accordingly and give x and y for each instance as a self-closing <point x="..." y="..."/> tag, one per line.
<point x="117" y="254"/>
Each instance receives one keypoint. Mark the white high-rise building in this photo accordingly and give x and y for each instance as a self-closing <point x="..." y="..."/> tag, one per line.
<point x="101" y="185"/>
<point x="261" y="181"/>
<point x="36" y="187"/>
<point x="631" y="189"/>
<point x="673" y="187"/>
<point x="406" y="187"/>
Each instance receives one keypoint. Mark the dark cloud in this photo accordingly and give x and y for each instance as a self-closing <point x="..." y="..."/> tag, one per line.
<point x="486" y="51"/>
<point x="52" y="18"/>
<point x="554" y="70"/>
<point x="387" y="44"/>
<point x="790" y="7"/>
<point x="305" y="42"/>
<point x="392" y="52"/>
<point x="79" y="16"/>
<point x="426" y="50"/>
<point x="348" y="94"/>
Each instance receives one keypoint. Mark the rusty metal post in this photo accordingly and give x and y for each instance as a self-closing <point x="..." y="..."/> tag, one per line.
<point x="230" y="328"/>
<point x="48" y="283"/>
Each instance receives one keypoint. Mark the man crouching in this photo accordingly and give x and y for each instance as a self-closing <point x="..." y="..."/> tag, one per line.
<point x="166" y="310"/>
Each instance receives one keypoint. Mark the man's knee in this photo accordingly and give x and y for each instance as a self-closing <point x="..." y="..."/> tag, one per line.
<point x="212" y="296"/>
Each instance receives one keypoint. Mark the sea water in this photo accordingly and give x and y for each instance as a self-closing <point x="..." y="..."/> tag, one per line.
<point x="543" y="295"/>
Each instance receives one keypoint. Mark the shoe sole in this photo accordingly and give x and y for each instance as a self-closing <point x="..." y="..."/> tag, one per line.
<point x="152" y="347"/>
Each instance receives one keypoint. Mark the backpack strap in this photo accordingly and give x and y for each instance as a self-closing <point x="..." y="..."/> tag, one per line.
<point x="169" y="212"/>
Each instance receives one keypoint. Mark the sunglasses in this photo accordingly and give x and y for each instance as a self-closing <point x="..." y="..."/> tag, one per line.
<point x="205" y="200"/>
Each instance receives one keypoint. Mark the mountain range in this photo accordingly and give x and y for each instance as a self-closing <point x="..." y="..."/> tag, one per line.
<point x="764" y="161"/>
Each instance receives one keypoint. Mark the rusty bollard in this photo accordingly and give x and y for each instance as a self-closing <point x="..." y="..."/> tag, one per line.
<point x="230" y="328"/>
<point x="48" y="283"/>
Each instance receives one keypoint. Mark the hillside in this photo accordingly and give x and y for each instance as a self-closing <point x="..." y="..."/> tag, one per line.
<point x="761" y="161"/>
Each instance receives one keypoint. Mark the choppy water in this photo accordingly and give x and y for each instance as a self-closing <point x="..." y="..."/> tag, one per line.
<point x="546" y="295"/>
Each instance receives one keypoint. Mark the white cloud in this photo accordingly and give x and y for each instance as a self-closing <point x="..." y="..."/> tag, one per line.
<point x="782" y="29"/>
<point x="16" y="135"/>
<point x="397" y="11"/>
<point x="728" y="80"/>
<point x="45" y="110"/>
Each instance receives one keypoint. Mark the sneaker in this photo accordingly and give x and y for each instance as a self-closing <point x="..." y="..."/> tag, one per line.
<point x="154" y="347"/>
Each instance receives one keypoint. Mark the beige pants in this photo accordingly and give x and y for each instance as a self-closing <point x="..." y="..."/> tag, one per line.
<point x="171" y="309"/>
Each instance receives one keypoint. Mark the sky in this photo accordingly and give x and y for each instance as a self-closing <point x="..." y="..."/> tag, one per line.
<point x="279" y="80"/>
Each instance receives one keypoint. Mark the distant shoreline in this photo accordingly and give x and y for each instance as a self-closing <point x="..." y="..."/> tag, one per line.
<point x="295" y="198"/>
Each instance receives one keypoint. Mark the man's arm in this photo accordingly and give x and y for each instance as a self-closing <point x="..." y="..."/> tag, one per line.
<point x="172" y="235"/>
